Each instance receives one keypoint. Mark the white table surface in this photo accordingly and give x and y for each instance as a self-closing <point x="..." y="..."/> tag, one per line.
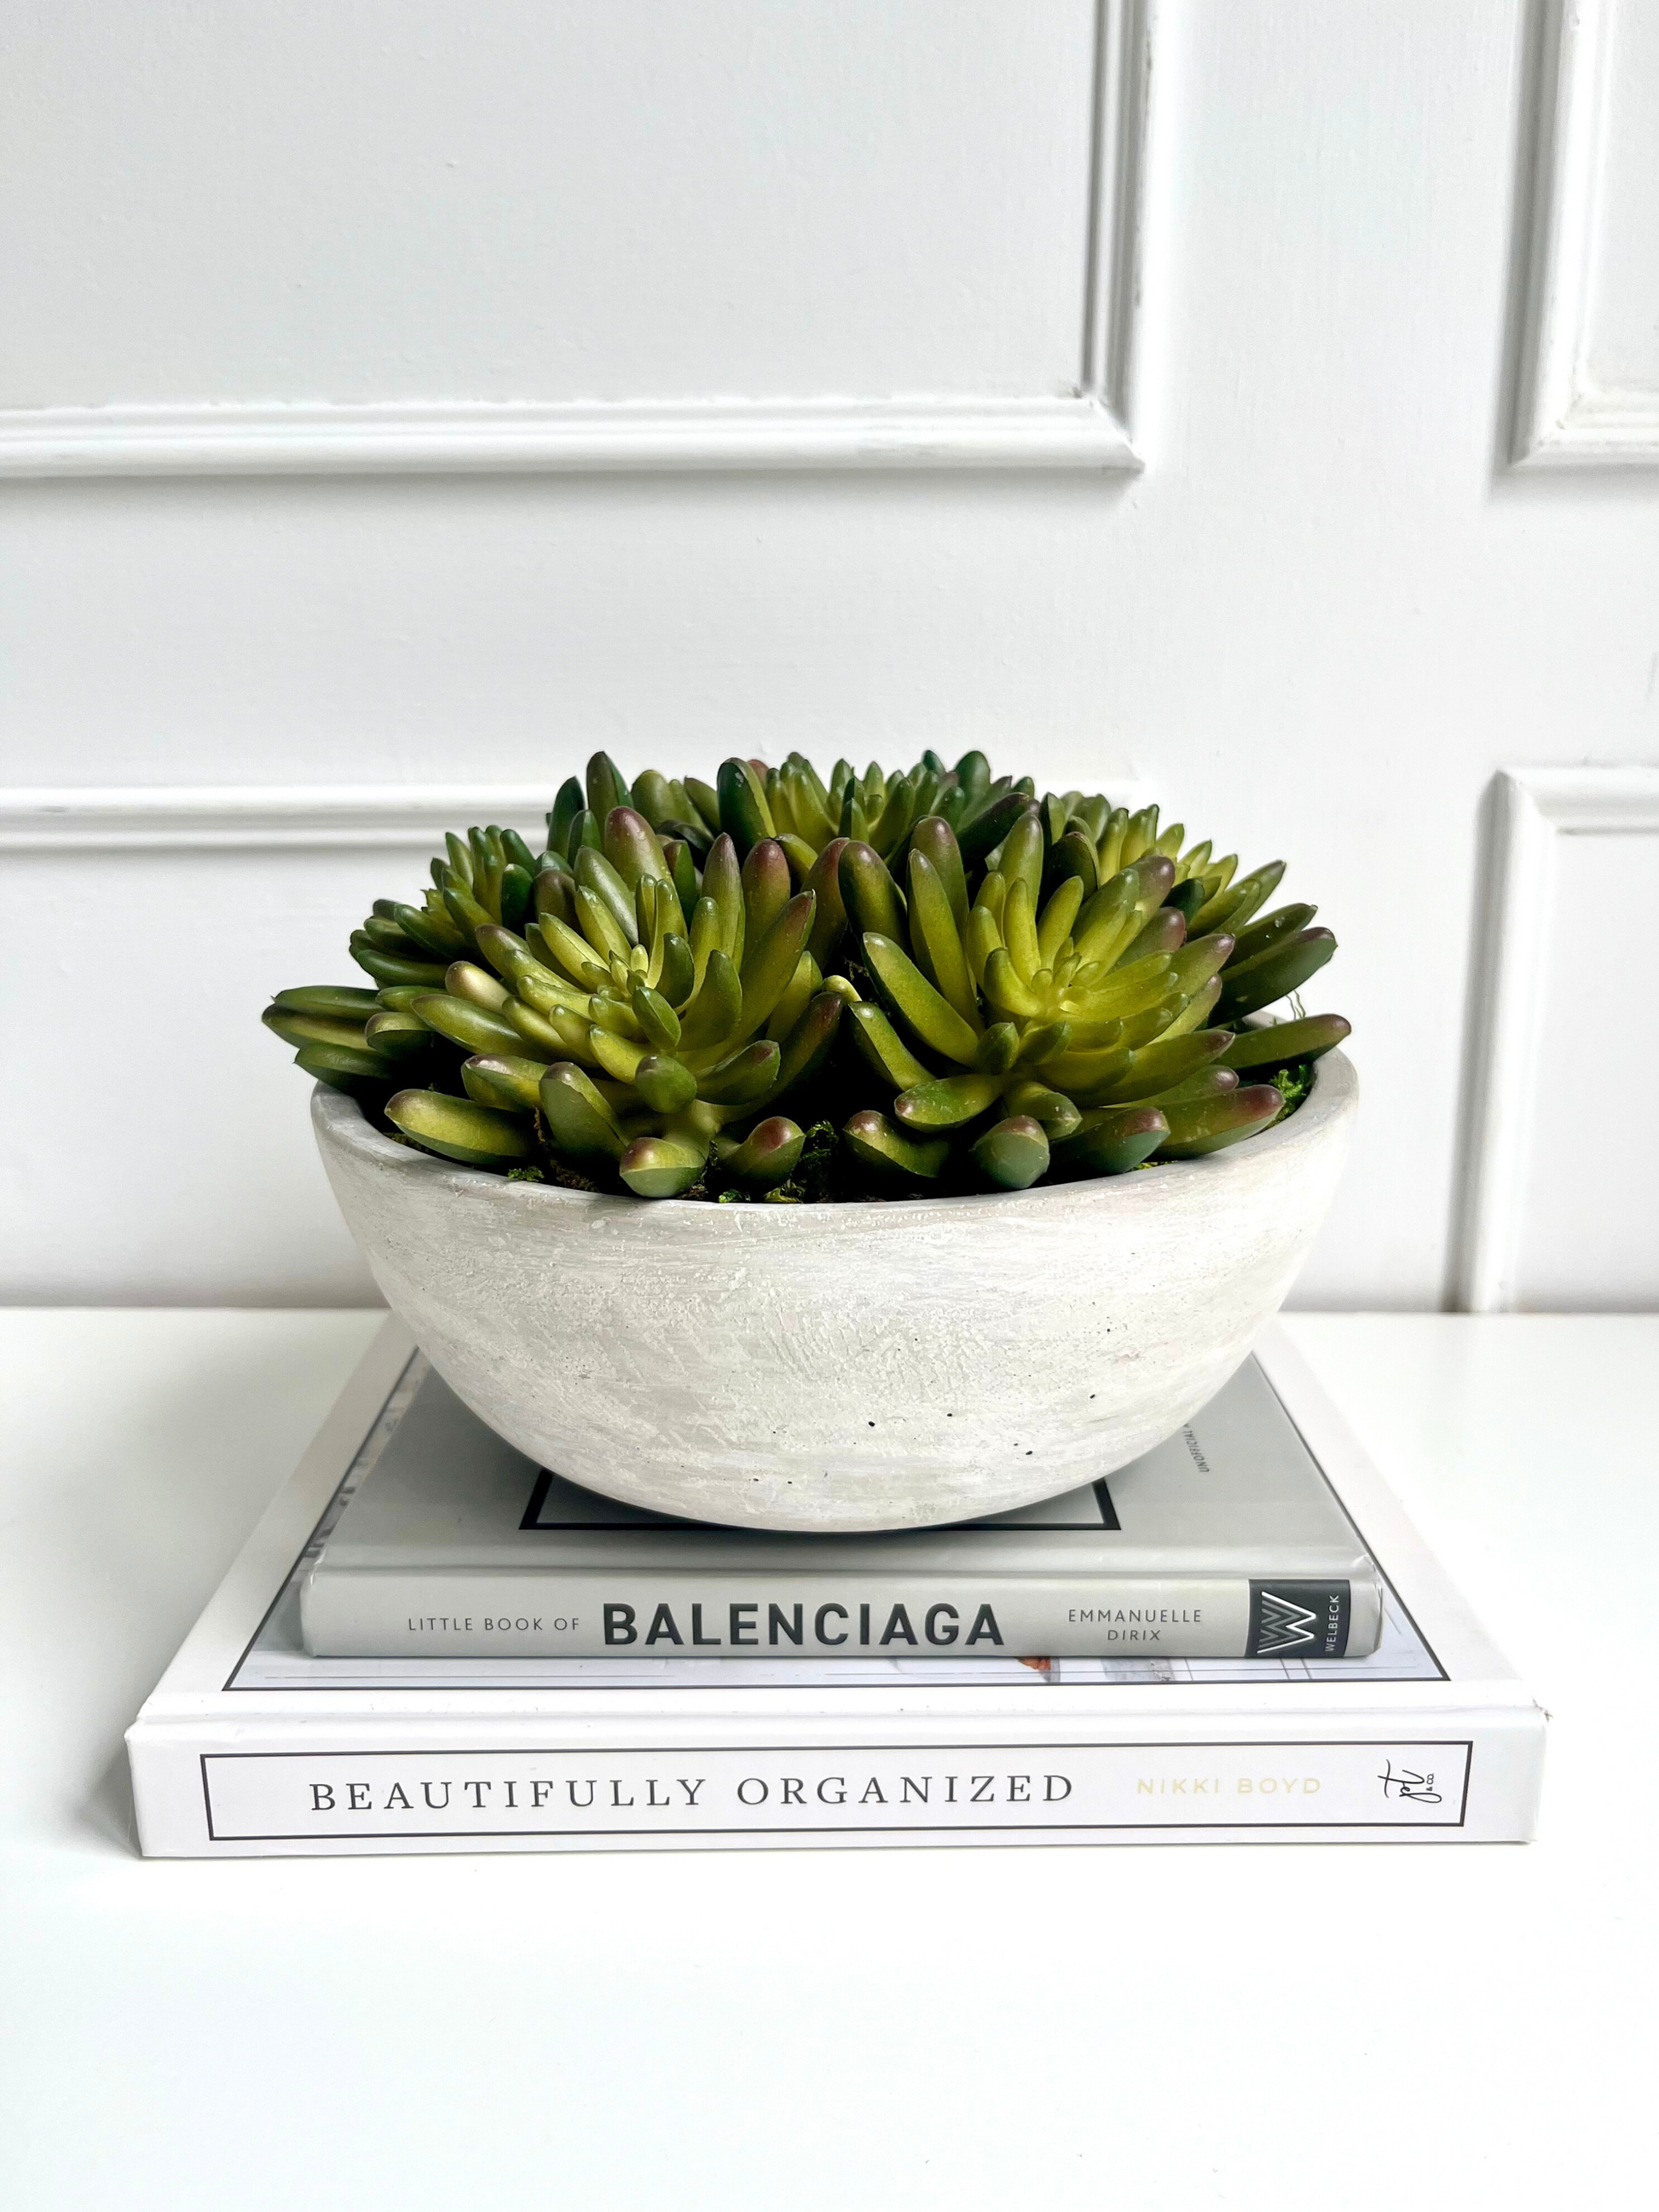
<point x="981" y="2028"/>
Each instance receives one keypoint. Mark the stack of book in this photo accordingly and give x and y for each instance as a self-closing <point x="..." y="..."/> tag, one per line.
<point x="433" y="1644"/>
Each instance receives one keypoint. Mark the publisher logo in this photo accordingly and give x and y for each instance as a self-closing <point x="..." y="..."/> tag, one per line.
<point x="1298" y="1620"/>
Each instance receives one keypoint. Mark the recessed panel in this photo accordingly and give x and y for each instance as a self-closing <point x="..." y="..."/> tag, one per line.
<point x="543" y="200"/>
<point x="1589" y="1206"/>
<point x="1621" y="339"/>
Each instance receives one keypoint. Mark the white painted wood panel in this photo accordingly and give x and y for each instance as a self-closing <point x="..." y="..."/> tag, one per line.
<point x="1588" y="385"/>
<point x="1315" y="624"/>
<point x="157" y="1146"/>
<point x="1589" y="1199"/>
<point x="1560" y="1201"/>
<point x="397" y="234"/>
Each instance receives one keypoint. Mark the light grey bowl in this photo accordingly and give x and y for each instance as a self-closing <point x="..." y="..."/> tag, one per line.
<point x="841" y="1367"/>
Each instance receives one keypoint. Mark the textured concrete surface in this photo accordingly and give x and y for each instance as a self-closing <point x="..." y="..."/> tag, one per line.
<point x="841" y="1367"/>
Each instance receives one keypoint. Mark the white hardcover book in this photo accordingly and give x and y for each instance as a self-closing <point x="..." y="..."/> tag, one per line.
<point x="252" y="1745"/>
<point x="1225" y="1542"/>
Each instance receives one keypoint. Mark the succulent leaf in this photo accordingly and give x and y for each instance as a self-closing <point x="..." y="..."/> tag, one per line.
<point x="1208" y="1125"/>
<point x="874" y="1142"/>
<point x="1280" y="1044"/>
<point x="1112" y="1140"/>
<point x="768" y="1155"/>
<point x="1014" y="1154"/>
<point x="459" y="1128"/>
<point x="1057" y="983"/>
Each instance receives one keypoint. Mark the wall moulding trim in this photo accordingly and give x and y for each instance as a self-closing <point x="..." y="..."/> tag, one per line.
<point x="1532" y="809"/>
<point x="1085" y="426"/>
<point x="1078" y="432"/>
<point x="1563" y="418"/>
<point x="409" y="817"/>
<point x="216" y="818"/>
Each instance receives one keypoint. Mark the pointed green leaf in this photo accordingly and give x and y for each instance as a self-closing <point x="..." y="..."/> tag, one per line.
<point x="361" y="1075"/>
<point x="1058" y="1115"/>
<point x="656" y="1018"/>
<point x="768" y="970"/>
<point x="397" y="1037"/>
<point x="315" y="1028"/>
<point x="599" y="925"/>
<point x="570" y="802"/>
<point x="917" y="1004"/>
<point x="619" y="1056"/>
<point x="1019" y="933"/>
<point x="1111" y="1140"/>
<point x="1022" y="858"/>
<point x="1210" y="1125"/>
<point x="498" y="1079"/>
<point x="974" y="774"/>
<point x="1162" y="931"/>
<point x="572" y="954"/>
<point x="934" y="929"/>
<point x="946" y="1101"/>
<point x="882" y="1046"/>
<point x="936" y="841"/>
<point x="745" y="814"/>
<point x="607" y="787"/>
<point x="1198" y="960"/>
<point x="661" y="1167"/>
<point x="889" y="1155"/>
<point x="1014" y="1154"/>
<point x="1159" y="1068"/>
<point x="461" y="1129"/>
<point x="707" y="800"/>
<point x="981" y="833"/>
<point x="1074" y="857"/>
<point x="713" y="1018"/>
<point x="631" y="846"/>
<point x="545" y="1036"/>
<point x="1057" y="915"/>
<point x="553" y="894"/>
<point x="666" y="1085"/>
<point x="473" y="1027"/>
<point x="387" y="971"/>
<point x="594" y="873"/>
<point x="1270" y="930"/>
<point x="768" y="1155"/>
<point x="654" y="797"/>
<point x="765" y="888"/>
<point x="1109" y="920"/>
<point x="807" y="1045"/>
<point x="343" y="1001"/>
<point x="579" y="1122"/>
<point x="1005" y="992"/>
<point x="1231" y="908"/>
<point x="1284" y="967"/>
<point x="722" y="881"/>
<point x="998" y="1049"/>
<point x="742" y="1077"/>
<point x="1278" y="1044"/>
<point x="801" y="990"/>
<point x="868" y="891"/>
<point x="829" y="919"/>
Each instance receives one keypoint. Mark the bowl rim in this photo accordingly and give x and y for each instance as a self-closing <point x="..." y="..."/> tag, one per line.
<point x="340" y="1123"/>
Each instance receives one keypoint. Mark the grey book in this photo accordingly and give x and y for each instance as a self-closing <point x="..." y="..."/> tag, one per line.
<point x="1224" y="1542"/>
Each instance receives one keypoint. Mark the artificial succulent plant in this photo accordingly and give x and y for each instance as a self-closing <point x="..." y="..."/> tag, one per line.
<point x="949" y="983"/>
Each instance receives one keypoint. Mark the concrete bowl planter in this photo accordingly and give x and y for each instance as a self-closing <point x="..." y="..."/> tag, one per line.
<point x="841" y="1367"/>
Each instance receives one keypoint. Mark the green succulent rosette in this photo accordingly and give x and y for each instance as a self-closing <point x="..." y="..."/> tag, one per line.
<point x="973" y="987"/>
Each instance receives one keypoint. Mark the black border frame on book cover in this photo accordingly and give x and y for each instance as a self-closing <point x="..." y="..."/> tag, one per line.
<point x="532" y="1522"/>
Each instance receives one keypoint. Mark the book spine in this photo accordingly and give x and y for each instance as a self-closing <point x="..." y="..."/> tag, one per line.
<point x="381" y="1613"/>
<point x="469" y="1782"/>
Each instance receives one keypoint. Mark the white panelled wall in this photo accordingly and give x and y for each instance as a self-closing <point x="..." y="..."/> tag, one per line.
<point x="1256" y="401"/>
